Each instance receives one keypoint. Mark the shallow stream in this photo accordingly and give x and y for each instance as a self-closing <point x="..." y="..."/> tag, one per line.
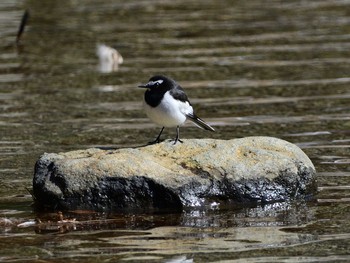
<point x="271" y="68"/>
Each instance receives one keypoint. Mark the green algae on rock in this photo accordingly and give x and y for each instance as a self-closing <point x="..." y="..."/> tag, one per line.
<point x="164" y="176"/>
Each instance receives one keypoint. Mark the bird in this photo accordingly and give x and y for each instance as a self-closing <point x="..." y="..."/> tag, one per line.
<point x="166" y="104"/>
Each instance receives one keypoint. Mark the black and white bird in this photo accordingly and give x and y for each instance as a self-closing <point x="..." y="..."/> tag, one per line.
<point x="167" y="105"/>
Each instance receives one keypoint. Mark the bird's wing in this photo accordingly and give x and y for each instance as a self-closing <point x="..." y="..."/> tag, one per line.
<point x="179" y="94"/>
<point x="183" y="103"/>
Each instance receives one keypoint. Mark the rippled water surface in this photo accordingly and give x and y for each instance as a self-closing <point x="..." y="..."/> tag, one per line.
<point x="272" y="68"/>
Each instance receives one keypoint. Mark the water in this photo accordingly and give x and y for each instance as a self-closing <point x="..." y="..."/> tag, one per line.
<point x="274" y="68"/>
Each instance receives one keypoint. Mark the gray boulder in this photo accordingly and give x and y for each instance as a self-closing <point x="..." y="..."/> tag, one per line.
<point x="196" y="173"/>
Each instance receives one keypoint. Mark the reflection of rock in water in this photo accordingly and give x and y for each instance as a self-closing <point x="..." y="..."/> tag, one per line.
<point x="269" y="215"/>
<point x="109" y="58"/>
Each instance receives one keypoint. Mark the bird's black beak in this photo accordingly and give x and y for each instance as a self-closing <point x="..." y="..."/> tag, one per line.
<point x="143" y="86"/>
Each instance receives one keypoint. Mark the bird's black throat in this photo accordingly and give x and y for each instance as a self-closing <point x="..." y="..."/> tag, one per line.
<point x="154" y="97"/>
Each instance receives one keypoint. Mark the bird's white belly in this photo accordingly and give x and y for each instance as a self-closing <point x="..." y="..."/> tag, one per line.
<point x="169" y="112"/>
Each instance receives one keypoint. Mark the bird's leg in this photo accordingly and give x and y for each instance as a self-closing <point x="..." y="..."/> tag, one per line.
<point x="157" y="140"/>
<point x="177" y="135"/>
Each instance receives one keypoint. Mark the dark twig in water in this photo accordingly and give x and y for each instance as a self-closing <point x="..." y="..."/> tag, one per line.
<point x="24" y="21"/>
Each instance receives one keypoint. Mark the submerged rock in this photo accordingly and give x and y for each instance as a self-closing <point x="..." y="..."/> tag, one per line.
<point x="195" y="173"/>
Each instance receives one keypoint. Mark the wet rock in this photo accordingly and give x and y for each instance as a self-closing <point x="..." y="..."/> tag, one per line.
<point x="165" y="176"/>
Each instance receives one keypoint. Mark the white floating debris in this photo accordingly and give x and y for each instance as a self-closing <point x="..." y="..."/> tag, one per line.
<point x="27" y="223"/>
<point x="180" y="259"/>
<point x="314" y="133"/>
<point x="109" y="58"/>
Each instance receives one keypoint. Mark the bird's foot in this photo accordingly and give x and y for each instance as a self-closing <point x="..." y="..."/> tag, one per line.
<point x="157" y="140"/>
<point x="177" y="140"/>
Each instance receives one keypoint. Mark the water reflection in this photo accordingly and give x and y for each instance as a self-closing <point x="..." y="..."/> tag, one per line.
<point x="271" y="215"/>
<point x="109" y="58"/>
<point x="162" y="235"/>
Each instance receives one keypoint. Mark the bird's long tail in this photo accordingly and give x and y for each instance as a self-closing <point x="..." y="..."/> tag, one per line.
<point x="199" y="122"/>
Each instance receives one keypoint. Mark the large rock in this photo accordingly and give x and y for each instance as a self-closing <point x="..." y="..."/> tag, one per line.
<point x="166" y="176"/>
